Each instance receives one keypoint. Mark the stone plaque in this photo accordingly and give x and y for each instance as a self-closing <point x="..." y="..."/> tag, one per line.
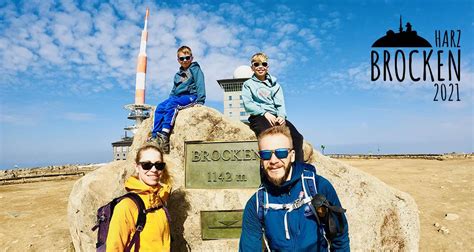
<point x="222" y="165"/>
<point x="221" y="224"/>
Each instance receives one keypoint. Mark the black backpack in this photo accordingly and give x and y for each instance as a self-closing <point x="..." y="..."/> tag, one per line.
<point x="104" y="215"/>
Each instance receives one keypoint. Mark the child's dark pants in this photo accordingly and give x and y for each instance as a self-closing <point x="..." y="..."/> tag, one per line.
<point x="258" y="123"/>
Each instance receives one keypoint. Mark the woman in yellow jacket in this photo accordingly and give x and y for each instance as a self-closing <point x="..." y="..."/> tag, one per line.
<point x="153" y="184"/>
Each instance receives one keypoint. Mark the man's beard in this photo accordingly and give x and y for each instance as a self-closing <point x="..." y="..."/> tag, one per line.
<point x="279" y="181"/>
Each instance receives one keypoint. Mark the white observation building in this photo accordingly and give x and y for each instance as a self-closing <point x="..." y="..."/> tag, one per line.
<point x="233" y="103"/>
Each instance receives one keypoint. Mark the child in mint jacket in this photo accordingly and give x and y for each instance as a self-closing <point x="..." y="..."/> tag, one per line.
<point x="263" y="100"/>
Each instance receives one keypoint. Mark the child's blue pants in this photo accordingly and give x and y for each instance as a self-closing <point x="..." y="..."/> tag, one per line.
<point x="166" y="112"/>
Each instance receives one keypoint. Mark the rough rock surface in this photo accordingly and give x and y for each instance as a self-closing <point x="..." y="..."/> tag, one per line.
<point x="380" y="217"/>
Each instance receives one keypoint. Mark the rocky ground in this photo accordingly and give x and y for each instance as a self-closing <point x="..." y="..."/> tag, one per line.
<point x="53" y="172"/>
<point x="33" y="215"/>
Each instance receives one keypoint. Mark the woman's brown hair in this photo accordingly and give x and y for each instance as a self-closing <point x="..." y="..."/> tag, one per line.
<point x="165" y="175"/>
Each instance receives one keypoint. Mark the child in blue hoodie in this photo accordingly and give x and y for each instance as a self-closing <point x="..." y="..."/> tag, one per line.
<point x="188" y="90"/>
<point x="263" y="99"/>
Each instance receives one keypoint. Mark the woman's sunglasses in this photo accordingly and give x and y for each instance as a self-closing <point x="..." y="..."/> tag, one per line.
<point x="148" y="165"/>
<point x="279" y="153"/>
<point x="184" y="58"/>
<point x="257" y="64"/>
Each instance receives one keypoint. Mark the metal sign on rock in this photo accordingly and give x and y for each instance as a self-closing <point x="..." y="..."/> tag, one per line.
<point x="222" y="165"/>
<point x="221" y="224"/>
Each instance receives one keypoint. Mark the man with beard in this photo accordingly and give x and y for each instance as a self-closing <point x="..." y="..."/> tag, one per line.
<point x="281" y="212"/>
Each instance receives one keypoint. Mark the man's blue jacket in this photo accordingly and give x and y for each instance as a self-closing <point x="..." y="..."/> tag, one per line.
<point x="303" y="228"/>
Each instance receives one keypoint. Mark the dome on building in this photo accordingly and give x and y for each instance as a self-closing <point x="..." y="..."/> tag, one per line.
<point x="243" y="72"/>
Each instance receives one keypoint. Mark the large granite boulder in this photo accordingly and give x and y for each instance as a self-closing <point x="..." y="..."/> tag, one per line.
<point x="380" y="217"/>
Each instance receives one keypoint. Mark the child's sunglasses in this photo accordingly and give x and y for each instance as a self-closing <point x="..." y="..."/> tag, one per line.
<point x="257" y="64"/>
<point x="279" y="153"/>
<point x="184" y="58"/>
<point x="148" y="165"/>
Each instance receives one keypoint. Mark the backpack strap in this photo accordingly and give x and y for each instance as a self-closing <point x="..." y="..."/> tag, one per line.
<point x="308" y="181"/>
<point x="261" y="197"/>
<point x="167" y="213"/>
<point x="141" y="220"/>
<point x="260" y="203"/>
<point x="308" y="178"/>
<point x="168" y="216"/>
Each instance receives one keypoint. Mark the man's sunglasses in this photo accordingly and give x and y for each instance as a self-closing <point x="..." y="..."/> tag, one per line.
<point x="184" y="58"/>
<point x="148" y="165"/>
<point x="279" y="153"/>
<point x="257" y="64"/>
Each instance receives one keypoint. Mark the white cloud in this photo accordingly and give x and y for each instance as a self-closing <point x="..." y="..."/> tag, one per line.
<point x="331" y="24"/>
<point x="286" y="29"/>
<point x="51" y="53"/>
<point x="310" y="37"/>
<point x="16" y="58"/>
<point x="93" y="46"/>
<point x="187" y="27"/>
<point x="217" y="35"/>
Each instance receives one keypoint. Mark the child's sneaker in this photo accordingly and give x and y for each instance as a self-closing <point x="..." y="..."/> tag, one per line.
<point x="164" y="143"/>
<point x="151" y="140"/>
<point x="165" y="146"/>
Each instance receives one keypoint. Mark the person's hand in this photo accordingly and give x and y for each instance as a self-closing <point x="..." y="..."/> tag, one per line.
<point x="280" y="120"/>
<point x="271" y="118"/>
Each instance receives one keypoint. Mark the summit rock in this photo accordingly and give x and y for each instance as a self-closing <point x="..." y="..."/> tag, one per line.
<point x="379" y="216"/>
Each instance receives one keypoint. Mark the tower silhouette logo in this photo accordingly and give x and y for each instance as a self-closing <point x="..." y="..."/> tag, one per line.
<point x="403" y="38"/>
<point x="406" y="57"/>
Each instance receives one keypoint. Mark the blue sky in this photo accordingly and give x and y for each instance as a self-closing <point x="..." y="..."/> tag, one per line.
<point x="68" y="68"/>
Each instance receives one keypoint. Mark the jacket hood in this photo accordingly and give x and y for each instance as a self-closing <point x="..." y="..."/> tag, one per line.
<point x="193" y="65"/>
<point x="297" y="170"/>
<point x="133" y="184"/>
<point x="271" y="79"/>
